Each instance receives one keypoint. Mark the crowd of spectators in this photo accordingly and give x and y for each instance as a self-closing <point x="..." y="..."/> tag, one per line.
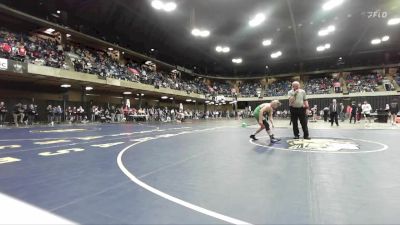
<point x="33" y="49"/>
<point x="48" y="51"/>
<point x="321" y="85"/>
<point x="27" y="114"/>
<point x="278" y="88"/>
<point x="250" y="88"/>
<point x="222" y="88"/>
<point x="363" y="83"/>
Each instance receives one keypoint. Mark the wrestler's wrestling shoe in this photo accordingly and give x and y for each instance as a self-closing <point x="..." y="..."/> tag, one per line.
<point x="253" y="137"/>
<point x="274" y="140"/>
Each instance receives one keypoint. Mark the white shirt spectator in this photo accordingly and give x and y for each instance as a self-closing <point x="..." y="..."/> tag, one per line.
<point x="366" y="108"/>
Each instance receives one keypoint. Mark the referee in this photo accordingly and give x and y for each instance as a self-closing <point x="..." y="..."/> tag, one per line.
<point x="298" y="106"/>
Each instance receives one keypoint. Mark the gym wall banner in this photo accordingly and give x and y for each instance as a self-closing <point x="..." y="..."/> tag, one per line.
<point x="13" y="66"/>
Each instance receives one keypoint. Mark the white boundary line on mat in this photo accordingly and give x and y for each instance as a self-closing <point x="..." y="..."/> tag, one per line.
<point x="167" y="196"/>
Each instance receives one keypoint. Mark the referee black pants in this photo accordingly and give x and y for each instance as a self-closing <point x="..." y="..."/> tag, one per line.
<point x="334" y="118"/>
<point x="297" y="114"/>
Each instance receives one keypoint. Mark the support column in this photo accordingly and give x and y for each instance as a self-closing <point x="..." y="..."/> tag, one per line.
<point x="65" y="98"/>
<point x="63" y="39"/>
<point x="140" y="101"/>
<point x="84" y="100"/>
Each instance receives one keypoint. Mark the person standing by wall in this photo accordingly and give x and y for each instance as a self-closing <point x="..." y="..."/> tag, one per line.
<point x="366" y="111"/>
<point x="31" y="112"/>
<point x="334" y="109"/>
<point x="3" y="112"/>
<point x="50" y="115"/>
<point x="18" y="111"/>
<point x="298" y="109"/>
<point x="326" y="113"/>
<point x="359" y="112"/>
<point x="341" y="112"/>
<point x="353" y="112"/>
<point x="314" y="111"/>
<point x="394" y="109"/>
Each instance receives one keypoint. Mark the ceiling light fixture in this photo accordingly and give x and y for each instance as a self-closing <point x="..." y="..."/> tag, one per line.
<point x="376" y="41"/>
<point x="127" y="93"/>
<point x="65" y="85"/>
<point x="326" y="31"/>
<point x="322" y="48"/>
<point x="257" y="20"/>
<point x="393" y="21"/>
<point x="385" y="38"/>
<point x="226" y="49"/>
<point x="168" y="6"/>
<point x="200" y="33"/>
<point x="164" y="97"/>
<point x="49" y="31"/>
<point x="267" y="42"/>
<point x="157" y="4"/>
<point x="323" y="33"/>
<point x="331" y="4"/>
<point x="223" y="49"/>
<point x="276" y="54"/>
<point x="88" y="88"/>
<point x="205" y="33"/>
<point x="237" y="60"/>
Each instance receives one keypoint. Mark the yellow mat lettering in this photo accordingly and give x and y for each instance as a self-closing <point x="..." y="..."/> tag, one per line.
<point x="57" y="131"/>
<point x="8" y="160"/>
<point x="61" y="152"/>
<point x="89" y="138"/>
<point x="107" y="145"/>
<point x="51" y="142"/>
<point x="9" y="146"/>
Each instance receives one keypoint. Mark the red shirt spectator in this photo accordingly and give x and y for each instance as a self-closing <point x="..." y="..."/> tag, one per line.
<point x="22" y="51"/>
<point x="6" y="48"/>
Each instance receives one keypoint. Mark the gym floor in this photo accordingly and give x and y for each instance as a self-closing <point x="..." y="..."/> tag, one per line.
<point x="200" y="172"/>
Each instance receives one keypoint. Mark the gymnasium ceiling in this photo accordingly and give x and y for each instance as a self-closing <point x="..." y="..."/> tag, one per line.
<point x="292" y="25"/>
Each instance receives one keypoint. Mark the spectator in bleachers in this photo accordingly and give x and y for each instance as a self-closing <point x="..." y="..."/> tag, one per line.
<point x="249" y="88"/>
<point x="319" y="85"/>
<point x="367" y="83"/>
<point x="278" y="88"/>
